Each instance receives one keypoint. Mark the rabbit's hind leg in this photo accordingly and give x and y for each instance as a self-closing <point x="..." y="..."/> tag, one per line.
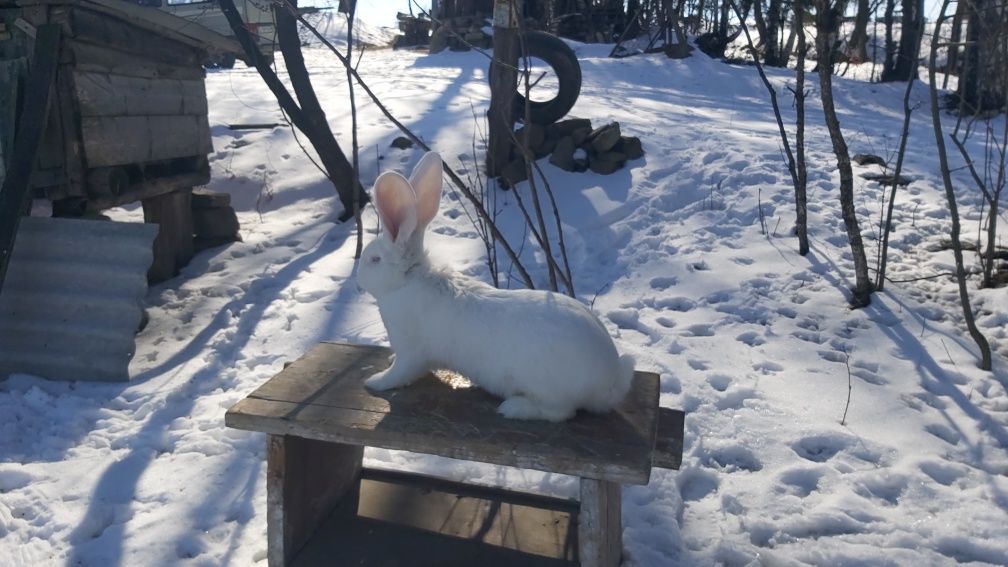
<point x="520" y="407"/>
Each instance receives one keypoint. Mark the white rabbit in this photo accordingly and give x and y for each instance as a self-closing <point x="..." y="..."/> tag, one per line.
<point x="545" y="353"/>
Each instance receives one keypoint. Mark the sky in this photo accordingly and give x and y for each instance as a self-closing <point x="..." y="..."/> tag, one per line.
<point x="382" y="12"/>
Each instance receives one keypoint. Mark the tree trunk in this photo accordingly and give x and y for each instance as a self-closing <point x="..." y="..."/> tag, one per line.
<point x="981" y="86"/>
<point x="761" y="24"/>
<point x="801" y="194"/>
<point x="827" y="27"/>
<point x="772" y="54"/>
<point x="890" y="44"/>
<point x="952" y="63"/>
<point x="338" y="169"/>
<point x="911" y="28"/>
<point x="857" y="47"/>
<point x="503" y="85"/>
<point x="978" y="337"/>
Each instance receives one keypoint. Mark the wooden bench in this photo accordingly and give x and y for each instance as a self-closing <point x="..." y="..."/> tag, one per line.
<point x="319" y="418"/>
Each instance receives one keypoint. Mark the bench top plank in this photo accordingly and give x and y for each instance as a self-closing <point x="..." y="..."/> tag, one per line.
<point x="322" y="396"/>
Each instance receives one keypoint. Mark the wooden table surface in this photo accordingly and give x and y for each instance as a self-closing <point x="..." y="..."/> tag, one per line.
<point x="322" y="396"/>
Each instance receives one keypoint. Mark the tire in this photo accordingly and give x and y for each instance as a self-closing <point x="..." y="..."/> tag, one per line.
<point x="562" y="59"/>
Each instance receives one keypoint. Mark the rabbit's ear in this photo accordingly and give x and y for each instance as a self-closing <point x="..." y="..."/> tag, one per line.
<point x="396" y="205"/>
<point x="426" y="181"/>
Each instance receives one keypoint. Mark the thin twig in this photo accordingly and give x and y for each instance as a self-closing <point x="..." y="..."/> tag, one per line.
<point x="850" y="387"/>
<point x="481" y="211"/>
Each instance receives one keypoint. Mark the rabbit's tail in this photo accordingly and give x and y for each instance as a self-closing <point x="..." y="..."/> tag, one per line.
<point x="621" y="385"/>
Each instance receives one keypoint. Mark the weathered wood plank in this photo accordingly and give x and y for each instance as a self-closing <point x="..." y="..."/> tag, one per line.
<point x="121" y="140"/>
<point x="669" y="440"/>
<point x="600" y="527"/>
<point x="112" y="32"/>
<point x="305" y="480"/>
<point x="411" y="519"/>
<point x="73" y="149"/>
<point x="178" y="136"/>
<point x="90" y="57"/>
<point x="151" y="188"/>
<point x="104" y="94"/>
<point x="15" y="190"/>
<point x="321" y="396"/>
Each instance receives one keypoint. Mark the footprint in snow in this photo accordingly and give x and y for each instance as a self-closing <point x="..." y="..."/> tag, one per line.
<point x="711" y="157"/>
<point x="800" y="481"/>
<point x="882" y="485"/>
<point x="699" y="330"/>
<point x="665" y="322"/>
<point x="808" y="336"/>
<point x="735" y="399"/>
<point x="696" y="484"/>
<point x="833" y="355"/>
<point x="767" y="367"/>
<point x="697" y="364"/>
<point x="867" y="371"/>
<point x="808" y="324"/>
<point x="869" y="376"/>
<point x="751" y="338"/>
<point x="680" y="304"/>
<point x="921" y="399"/>
<point x="943" y="432"/>
<point x="445" y="231"/>
<point x="624" y="318"/>
<point x="663" y="282"/>
<point x="743" y="261"/>
<point x="787" y="312"/>
<point x="733" y="458"/>
<point x="799" y="299"/>
<point x="719" y="382"/>
<point x="717" y="297"/>
<point x="943" y="472"/>
<point x="629" y="319"/>
<point x="820" y="448"/>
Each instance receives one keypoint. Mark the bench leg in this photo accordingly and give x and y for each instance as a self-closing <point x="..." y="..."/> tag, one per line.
<point x="305" y="479"/>
<point x="600" y="524"/>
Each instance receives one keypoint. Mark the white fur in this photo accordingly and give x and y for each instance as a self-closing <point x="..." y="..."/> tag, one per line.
<point x="545" y="353"/>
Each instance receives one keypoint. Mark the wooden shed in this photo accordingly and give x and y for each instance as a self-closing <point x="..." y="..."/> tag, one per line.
<point x="127" y="119"/>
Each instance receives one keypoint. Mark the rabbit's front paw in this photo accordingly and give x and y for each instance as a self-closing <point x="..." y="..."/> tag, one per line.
<point x="380" y="381"/>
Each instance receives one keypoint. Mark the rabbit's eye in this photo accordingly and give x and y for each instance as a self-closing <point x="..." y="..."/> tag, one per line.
<point x="375" y="259"/>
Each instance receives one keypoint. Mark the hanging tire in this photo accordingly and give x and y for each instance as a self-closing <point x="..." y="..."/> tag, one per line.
<point x="563" y="60"/>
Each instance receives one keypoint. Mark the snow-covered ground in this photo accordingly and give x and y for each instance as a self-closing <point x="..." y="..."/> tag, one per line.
<point x="751" y="339"/>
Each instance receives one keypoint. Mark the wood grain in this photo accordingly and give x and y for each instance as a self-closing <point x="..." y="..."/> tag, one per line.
<point x="600" y="526"/>
<point x="121" y="140"/>
<point x="105" y="94"/>
<point x="305" y="480"/>
<point x="669" y="441"/>
<point x="322" y="396"/>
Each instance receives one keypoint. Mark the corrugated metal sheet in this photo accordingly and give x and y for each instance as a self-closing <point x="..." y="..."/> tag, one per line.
<point x="73" y="298"/>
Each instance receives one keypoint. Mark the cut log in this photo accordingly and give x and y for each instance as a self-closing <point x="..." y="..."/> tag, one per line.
<point x="173" y="247"/>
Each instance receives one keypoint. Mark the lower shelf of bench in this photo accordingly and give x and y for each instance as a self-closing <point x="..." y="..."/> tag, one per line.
<point x="392" y="519"/>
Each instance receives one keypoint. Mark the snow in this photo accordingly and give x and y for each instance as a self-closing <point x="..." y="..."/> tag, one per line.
<point x="756" y="343"/>
<point x="333" y="26"/>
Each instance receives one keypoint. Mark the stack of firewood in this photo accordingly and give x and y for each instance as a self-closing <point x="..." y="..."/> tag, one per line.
<point x="459" y="33"/>
<point x="573" y="145"/>
<point x="416" y="31"/>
